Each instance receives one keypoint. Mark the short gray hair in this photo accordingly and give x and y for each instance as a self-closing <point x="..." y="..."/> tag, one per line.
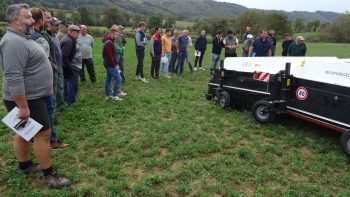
<point x="14" y="11"/>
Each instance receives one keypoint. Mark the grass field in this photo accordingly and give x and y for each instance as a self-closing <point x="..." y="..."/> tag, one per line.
<point x="183" y="24"/>
<point x="166" y="139"/>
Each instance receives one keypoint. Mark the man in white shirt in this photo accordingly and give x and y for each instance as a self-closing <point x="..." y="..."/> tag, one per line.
<point x="86" y="44"/>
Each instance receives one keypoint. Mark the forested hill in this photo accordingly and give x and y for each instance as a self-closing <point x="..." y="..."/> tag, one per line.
<point x="182" y="9"/>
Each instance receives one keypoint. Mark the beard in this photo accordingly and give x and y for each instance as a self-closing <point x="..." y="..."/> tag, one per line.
<point x="26" y="29"/>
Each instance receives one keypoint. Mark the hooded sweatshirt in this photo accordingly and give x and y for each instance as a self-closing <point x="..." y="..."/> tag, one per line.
<point x="109" y="52"/>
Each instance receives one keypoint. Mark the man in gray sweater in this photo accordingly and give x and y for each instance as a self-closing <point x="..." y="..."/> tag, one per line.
<point x="27" y="84"/>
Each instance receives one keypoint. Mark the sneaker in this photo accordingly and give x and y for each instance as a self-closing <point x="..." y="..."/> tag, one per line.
<point x="138" y="78"/>
<point x="56" y="182"/>
<point x="195" y="68"/>
<point x="167" y="76"/>
<point x="201" y="68"/>
<point x="30" y="170"/>
<point x="121" y="93"/>
<point x="144" y="80"/>
<point x="116" y="98"/>
<point x="58" y="144"/>
<point x="107" y="97"/>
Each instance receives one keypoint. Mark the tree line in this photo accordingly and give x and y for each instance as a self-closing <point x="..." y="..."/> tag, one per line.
<point x="279" y="22"/>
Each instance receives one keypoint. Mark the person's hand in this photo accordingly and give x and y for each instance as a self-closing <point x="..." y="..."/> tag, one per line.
<point x="54" y="67"/>
<point x="23" y="113"/>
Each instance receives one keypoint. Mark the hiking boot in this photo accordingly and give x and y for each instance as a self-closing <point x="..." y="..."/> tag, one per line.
<point x="56" y="182"/>
<point x="30" y="170"/>
<point x="58" y="144"/>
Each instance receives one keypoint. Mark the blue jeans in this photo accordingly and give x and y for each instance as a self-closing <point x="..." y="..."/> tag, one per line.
<point x="173" y="61"/>
<point x="214" y="60"/>
<point x="71" y="87"/>
<point x="165" y="65"/>
<point x="189" y="60"/>
<point x="180" y="62"/>
<point x="60" y="90"/>
<point x="115" y="74"/>
<point x="50" y="111"/>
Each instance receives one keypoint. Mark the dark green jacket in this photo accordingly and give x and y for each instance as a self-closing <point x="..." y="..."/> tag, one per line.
<point x="297" y="49"/>
<point x="120" y="43"/>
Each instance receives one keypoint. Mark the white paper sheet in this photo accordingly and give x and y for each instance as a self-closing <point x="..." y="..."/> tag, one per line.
<point x="197" y="53"/>
<point x="25" y="128"/>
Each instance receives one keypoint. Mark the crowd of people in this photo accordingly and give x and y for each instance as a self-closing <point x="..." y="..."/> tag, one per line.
<point x="43" y="59"/>
<point x="176" y="49"/>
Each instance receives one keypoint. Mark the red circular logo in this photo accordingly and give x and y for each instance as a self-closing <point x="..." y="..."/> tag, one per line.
<point x="302" y="93"/>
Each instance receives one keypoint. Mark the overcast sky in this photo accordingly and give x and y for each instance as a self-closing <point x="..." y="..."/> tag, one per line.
<point x="296" y="5"/>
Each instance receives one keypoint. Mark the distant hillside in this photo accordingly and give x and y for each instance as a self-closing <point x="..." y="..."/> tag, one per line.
<point x="183" y="9"/>
<point x="311" y="16"/>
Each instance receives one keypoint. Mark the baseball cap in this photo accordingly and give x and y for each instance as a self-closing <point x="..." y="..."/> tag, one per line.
<point x="55" y="21"/>
<point x="73" y="28"/>
<point x="300" y="38"/>
<point x="64" y="22"/>
<point x="249" y="36"/>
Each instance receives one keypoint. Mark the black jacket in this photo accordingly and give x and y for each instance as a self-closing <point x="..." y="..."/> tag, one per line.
<point x="201" y="44"/>
<point x="217" y="45"/>
<point x="68" y="48"/>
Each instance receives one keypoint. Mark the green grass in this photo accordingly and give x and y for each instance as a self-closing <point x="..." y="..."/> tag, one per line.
<point x="183" y="24"/>
<point x="166" y="139"/>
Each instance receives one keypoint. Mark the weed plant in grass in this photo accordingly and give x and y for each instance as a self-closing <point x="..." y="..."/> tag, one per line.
<point x="166" y="139"/>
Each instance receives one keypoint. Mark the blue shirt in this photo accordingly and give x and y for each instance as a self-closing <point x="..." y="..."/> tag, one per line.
<point x="183" y="42"/>
<point x="261" y="48"/>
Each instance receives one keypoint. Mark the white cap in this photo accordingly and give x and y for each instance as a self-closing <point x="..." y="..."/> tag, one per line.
<point x="249" y="36"/>
<point x="300" y="38"/>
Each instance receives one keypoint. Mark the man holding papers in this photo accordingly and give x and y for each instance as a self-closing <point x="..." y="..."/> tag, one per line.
<point x="27" y="84"/>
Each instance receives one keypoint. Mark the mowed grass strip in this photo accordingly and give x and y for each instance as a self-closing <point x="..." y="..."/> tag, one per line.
<point x="166" y="139"/>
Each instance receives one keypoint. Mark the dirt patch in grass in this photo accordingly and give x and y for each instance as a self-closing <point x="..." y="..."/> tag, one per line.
<point x="138" y="174"/>
<point x="305" y="151"/>
<point x="250" y="191"/>
<point x="195" y="187"/>
<point x="176" y="165"/>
